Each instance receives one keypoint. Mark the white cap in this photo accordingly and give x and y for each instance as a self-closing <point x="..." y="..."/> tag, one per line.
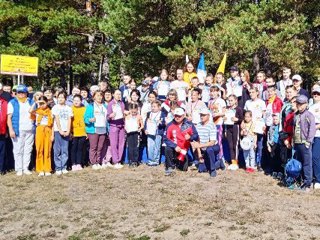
<point x="297" y="77"/>
<point x="316" y="89"/>
<point x="204" y="111"/>
<point x="94" y="88"/>
<point x="179" y="111"/>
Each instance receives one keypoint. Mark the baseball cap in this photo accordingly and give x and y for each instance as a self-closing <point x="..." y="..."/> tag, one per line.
<point x="297" y="77"/>
<point x="316" y="89"/>
<point x="204" y="111"/>
<point x="233" y="68"/>
<point x="145" y="82"/>
<point x="22" y="89"/>
<point x="179" y="111"/>
<point x="302" y="99"/>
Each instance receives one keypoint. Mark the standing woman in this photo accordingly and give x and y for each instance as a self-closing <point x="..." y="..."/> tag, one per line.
<point x="134" y="98"/>
<point x="171" y="97"/>
<point x="246" y="86"/>
<point x="115" y="116"/>
<point x="162" y="86"/>
<point x="189" y="73"/>
<point x="96" y="128"/>
<point x="62" y="125"/>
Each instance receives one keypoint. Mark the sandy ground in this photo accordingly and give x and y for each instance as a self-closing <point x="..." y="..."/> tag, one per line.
<point x="144" y="204"/>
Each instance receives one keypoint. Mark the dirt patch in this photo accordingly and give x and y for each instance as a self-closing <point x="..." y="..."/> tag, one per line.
<point x="144" y="204"/>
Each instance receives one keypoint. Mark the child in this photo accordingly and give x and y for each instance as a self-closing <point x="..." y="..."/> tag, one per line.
<point x="96" y="128"/>
<point x="79" y="133"/>
<point x="247" y="130"/>
<point x="274" y="147"/>
<point x="133" y="126"/>
<point x="62" y="125"/>
<point x="194" y="106"/>
<point x="44" y="136"/>
<point x="162" y="86"/>
<point x="303" y="135"/>
<point x="154" y="129"/>
<point x="217" y="106"/>
<point x="233" y="118"/>
<point x="115" y="116"/>
<point x="170" y="115"/>
<point x="146" y="107"/>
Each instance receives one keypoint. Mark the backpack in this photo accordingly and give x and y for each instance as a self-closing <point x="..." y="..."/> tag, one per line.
<point x="293" y="168"/>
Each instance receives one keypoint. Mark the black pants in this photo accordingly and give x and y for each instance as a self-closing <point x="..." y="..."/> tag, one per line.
<point x="133" y="147"/>
<point x="172" y="162"/>
<point x="78" y="144"/>
<point x="2" y="153"/>
<point x="275" y="161"/>
<point x="233" y="140"/>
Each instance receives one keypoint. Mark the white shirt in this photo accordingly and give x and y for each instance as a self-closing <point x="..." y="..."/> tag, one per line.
<point x="217" y="106"/>
<point x="146" y="107"/>
<point x="257" y="107"/>
<point x="282" y="84"/>
<point x="234" y="87"/>
<point x="315" y="110"/>
<point x="64" y="112"/>
<point x="25" y="122"/>
<point x="100" y="114"/>
<point x="181" y="87"/>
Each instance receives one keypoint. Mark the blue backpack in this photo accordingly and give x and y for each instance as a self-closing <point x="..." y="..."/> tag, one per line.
<point x="293" y="168"/>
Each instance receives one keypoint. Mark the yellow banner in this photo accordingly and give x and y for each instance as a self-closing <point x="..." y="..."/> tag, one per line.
<point x="19" y="65"/>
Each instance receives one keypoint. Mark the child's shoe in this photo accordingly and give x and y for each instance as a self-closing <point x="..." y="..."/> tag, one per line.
<point x="79" y="168"/>
<point x="58" y="172"/>
<point x="64" y="171"/>
<point x="27" y="172"/>
<point x="118" y="166"/>
<point x="74" y="168"/>
<point x="47" y="174"/>
<point x="234" y="165"/>
<point x="41" y="174"/>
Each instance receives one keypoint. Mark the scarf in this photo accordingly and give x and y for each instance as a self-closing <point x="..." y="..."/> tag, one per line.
<point x="44" y="112"/>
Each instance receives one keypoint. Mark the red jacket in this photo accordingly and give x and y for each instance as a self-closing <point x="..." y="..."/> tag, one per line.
<point x="276" y="105"/>
<point x="3" y="116"/>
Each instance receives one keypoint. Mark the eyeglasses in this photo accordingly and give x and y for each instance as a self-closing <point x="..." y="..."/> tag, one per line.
<point x="315" y="94"/>
<point x="178" y="116"/>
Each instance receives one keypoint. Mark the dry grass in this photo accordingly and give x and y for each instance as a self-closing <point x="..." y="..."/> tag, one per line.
<point x="144" y="204"/>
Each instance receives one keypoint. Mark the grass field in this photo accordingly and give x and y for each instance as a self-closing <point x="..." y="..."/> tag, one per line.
<point x="144" y="204"/>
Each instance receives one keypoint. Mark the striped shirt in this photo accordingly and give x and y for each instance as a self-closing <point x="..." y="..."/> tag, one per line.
<point x="207" y="132"/>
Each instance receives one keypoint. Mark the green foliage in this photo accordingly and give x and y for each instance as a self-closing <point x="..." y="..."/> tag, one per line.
<point x="143" y="36"/>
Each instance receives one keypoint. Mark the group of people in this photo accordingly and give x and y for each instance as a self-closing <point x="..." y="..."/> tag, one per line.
<point x="207" y="124"/>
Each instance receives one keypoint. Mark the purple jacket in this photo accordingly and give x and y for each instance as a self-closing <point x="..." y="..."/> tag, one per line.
<point x="307" y="125"/>
<point x="118" y="122"/>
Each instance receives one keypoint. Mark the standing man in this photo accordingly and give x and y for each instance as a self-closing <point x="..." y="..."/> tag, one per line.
<point x="178" y="137"/>
<point x="297" y="83"/>
<point x="21" y="130"/>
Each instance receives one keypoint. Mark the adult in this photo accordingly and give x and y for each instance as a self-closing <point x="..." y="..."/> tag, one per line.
<point x="103" y="85"/>
<point x="3" y="133"/>
<point x="7" y="88"/>
<point x="194" y="106"/>
<point x="144" y="90"/>
<point x="178" y="137"/>
<point x="274" y="104"/>
<point x="208" y="147"/>
<point x="284" y="82"/>
<point x="180" y="86"/>
<point x="172" y="97"/>
<point x="162" y="86"/>
<point x="75" y="91"/>
<point x="125" y="87"/>
<point x="48" y="93"/>
<point x="5" y="94"/>
<point x="297" y="83"/>
<point x="189" y="72"/>
<point x="246" y="86"/>
<point x="84" y="92"/>
<point x="21" y="130"/>
<point x="315" y="110"/>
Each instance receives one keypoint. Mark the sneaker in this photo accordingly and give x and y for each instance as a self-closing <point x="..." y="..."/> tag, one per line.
<point x="280" y="176"/>
<point x="19" y="173"/>
<point x="79" y="167"/>
<point x="213" y="174"/>
<point x="274" y="175"/>
<point x="27" y="172"/>
<point x="95" y="166"/>
<point x="133" y="165"/>
<point x="169" y="172"/>
<point x="316" y="186"/>
<point x="193" y="166"/>
<point x="64" y="171"/>
<point x="47" y="174"/>
<point x="109" y="165"/>
<point x="41" y="174"/>
<point x="74" y="168"/>
<point x="104" y="166"/>
<point x="118" y="166"/>
<point x="305" y="188"/>
<point x="260" y="169"/>
<point x="152" y="164"/>
<point x="58" y="172"/>
<point x="233" y="167"/>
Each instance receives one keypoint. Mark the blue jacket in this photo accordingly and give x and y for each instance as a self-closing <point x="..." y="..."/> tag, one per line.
<point x="89" y="114"/>
<point x="16" y="114"/>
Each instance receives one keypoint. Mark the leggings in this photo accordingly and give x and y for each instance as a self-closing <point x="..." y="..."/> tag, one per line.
<point x="133" y="147"/>
<point x="78" y="143"/>
<point x="233" y="140"/>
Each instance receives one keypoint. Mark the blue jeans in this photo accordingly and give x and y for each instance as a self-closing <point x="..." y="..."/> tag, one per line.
<point x="154" y="148"/>
<point x="249" y="158"/>
<point x="303" y="154"/>
<point x="259" y="149"/>
<point x="60" y="148"/>
<point x="316" y="159"/>
<point x="211" y="163"/>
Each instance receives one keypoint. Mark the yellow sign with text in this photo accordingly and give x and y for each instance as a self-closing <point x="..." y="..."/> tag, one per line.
<point x="19" y="65"/>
